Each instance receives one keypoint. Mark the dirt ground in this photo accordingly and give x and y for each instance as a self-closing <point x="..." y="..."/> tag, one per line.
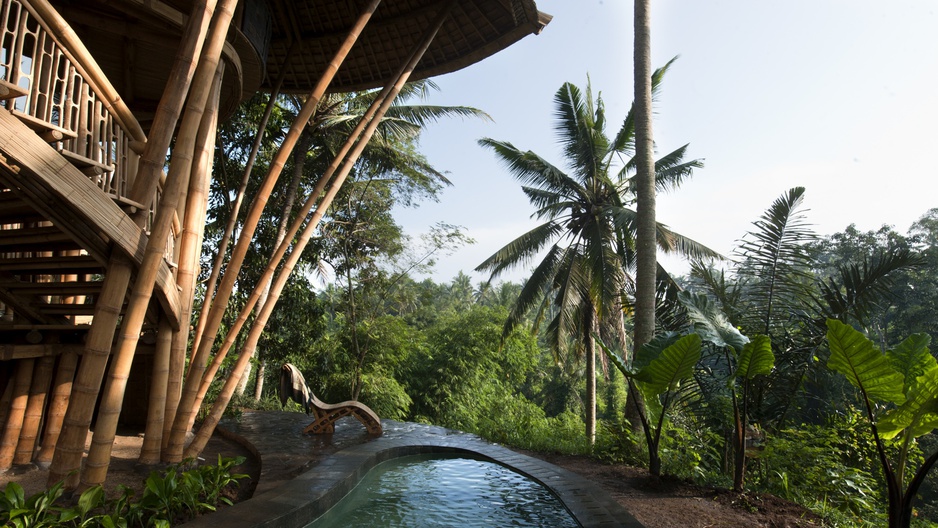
<point x="674" y="503"/>
<point x="656" y="503"/>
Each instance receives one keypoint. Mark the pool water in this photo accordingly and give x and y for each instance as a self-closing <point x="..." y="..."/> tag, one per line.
<point x="430" y="491"/>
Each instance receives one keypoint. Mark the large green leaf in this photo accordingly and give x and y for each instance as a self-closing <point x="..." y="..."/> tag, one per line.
<point x="919" y="413"/>
<point x="756" y="358"/>
<point x="911" y="358"/>
<point x="854" y="356"/>
<point x="674" y="365"/>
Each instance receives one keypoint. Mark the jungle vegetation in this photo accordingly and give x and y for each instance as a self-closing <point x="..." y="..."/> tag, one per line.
<point x="743" y="385"/>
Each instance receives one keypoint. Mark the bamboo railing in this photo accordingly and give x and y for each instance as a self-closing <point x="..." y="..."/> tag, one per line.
<point x="44" y="85"/>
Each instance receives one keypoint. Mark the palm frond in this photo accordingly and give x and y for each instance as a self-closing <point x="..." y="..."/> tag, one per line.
<point x="775" y="260"/>
<point x="860" y="287"/>
<point x="521" y="250"/>
<point x="529" y="168"/>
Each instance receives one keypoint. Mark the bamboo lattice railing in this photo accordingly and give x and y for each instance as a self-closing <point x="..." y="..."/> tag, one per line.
<point x="47" y="88"/>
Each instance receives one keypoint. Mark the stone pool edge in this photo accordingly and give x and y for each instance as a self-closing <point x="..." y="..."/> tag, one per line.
<point x="297" y="502"/>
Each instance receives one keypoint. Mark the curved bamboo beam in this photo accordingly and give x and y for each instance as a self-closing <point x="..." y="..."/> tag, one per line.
<point x="187" y="410"/>
<point x="384" y="102"/>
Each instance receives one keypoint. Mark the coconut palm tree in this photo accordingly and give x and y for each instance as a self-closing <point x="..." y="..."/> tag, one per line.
<point x="588" y="231"/>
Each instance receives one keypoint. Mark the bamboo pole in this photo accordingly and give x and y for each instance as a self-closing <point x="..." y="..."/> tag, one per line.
<point x="191" y="249"/>
<point x="70" y="447"/>
<point x="32" y="419"/>
<point x="62" y="387"/>
<point x="239" y="199"/>
<point x="387" y="98"/>
<point x="152" y="437"/>
<point x="185" y="414"/>
<point x="299" y="162"/>
<point x="268" y="274"/>
<point x="180" y="167"/>
<point x="151" y="162"/>
<point x="71" y="443"/>
<point x="5" y="399"/>
<point x="14" y="423"/>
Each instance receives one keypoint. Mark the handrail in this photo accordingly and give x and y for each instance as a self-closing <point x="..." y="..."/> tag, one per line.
<point x="52" y="91"/>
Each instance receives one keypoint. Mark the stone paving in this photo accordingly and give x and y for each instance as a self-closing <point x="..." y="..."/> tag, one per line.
<point x="302" y="476"/>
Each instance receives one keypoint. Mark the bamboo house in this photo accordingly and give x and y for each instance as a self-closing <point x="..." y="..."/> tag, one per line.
<point x="101" y="225"/>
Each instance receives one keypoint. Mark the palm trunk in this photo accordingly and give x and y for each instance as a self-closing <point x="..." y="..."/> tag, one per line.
<point x="14" y="422"/>
<point x="42" y="380"/>
<point x="188" y="405"/>
<point x="64" y="376"/>
<point x="386" y="98"/>
<point x="646" y="259"/>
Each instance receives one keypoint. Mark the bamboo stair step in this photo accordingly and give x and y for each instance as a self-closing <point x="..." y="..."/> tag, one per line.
<point x="66" y="309"/>
<point x="9" y="90"/>
<point x="84" y="163"/>
<point x="65" y="289"/>
<point x="35" y="238"/>
<point x="82" y="264"/>
<point x="47" y="131"/>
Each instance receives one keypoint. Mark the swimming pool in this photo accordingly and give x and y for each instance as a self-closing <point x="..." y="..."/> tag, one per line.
<point x="339" y="462"/>
<point x="444" y="491"/>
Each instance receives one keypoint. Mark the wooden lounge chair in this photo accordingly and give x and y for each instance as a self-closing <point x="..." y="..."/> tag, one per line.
<point x="293" y="387"/>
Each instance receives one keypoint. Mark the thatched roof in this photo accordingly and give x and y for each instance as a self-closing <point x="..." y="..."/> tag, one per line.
<point x="134" y="41"/>
<point x="475" y="30"/>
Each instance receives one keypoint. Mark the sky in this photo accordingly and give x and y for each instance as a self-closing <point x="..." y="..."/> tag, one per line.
<point x="837" y="96"/>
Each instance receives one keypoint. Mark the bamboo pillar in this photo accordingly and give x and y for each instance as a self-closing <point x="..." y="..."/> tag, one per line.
<point x="71" y="443"/>
<point x="62" y="387"/>
<point x="151" y="162"/>
<point x="42" y="380"/>
<point x="190" y="251"/>
<point x="187" y="408"/>
<point x="180" y="166"/>
<point x="14" y="423"/>
<point x="70" y="447"/>
<point x="152" y="438"/>
<point x="5" y="399"/>
<point x="386" y="99"/>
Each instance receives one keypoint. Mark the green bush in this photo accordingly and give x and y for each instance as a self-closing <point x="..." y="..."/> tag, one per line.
<point x="167" y="498"/>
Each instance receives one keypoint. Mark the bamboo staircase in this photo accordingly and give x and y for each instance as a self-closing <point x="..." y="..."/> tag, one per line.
<point x="66" y="164"/>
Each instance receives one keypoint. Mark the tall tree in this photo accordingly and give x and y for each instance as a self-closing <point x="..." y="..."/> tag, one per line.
<point x="645" y="229"/>
<point x="588" y="229"/>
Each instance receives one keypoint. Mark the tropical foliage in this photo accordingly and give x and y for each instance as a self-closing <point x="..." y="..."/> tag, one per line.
<point x="586" y="243"/>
